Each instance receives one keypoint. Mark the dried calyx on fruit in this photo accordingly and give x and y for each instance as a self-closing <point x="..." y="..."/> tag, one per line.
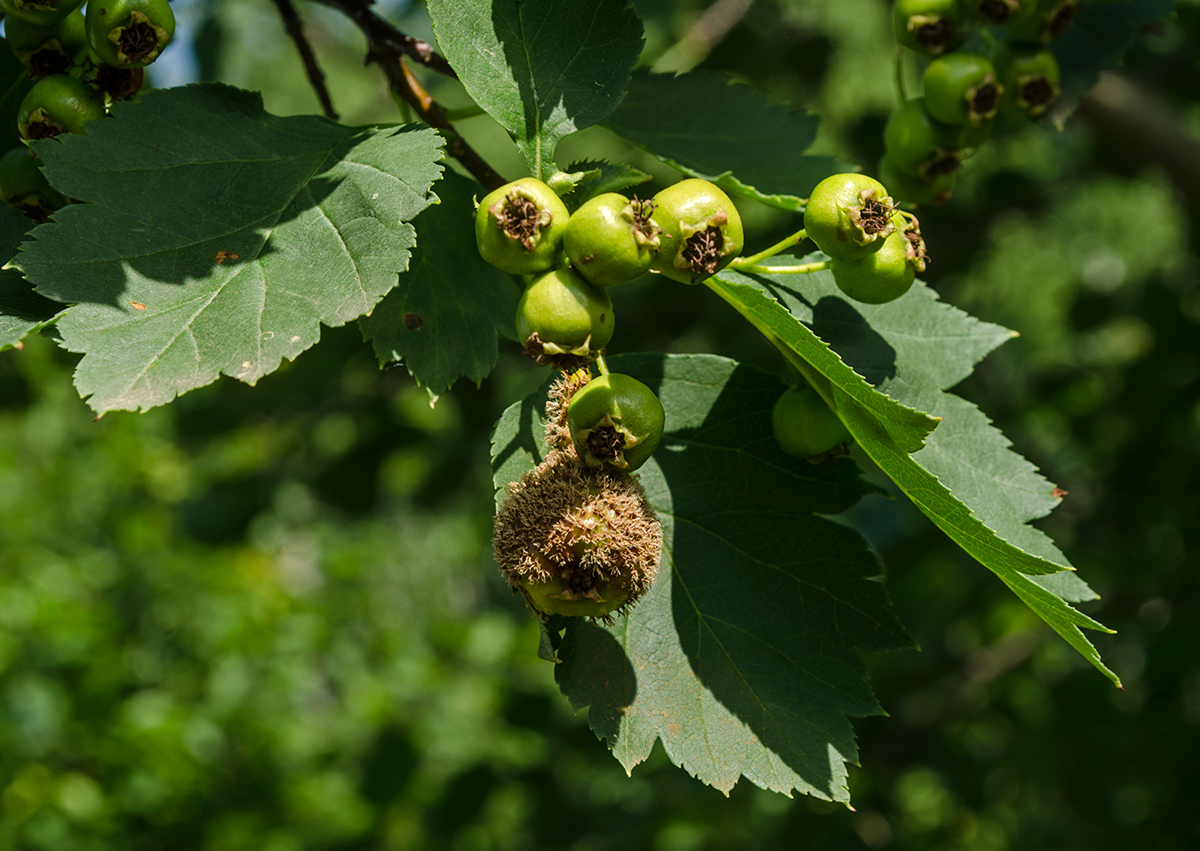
<point x="575" y="540"/>
<point x="615" y="421"/>
<point x="848" y="216"/>
<point x="701" y="231"/>
<point x="519" y="227"/>
<point x="129" y="33"/>
<point x="46" y="50"/>
<point x="888" y="273"/>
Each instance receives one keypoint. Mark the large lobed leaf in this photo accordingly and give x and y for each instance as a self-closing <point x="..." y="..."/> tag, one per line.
<point x="217" y="238"/>
<point x="744" y="658"/>
<point x="963" y="476"/>
<point x="443" y="318"/>
<point x="707" y="127"/>
<point x="541" y="68"/>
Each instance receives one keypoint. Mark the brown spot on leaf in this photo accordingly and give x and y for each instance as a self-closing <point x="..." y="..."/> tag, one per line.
<point x="137" y="305"/>
<point x="1058" y="493"/>
<point x="224" y="255"/>
<point x="412" y="321"/>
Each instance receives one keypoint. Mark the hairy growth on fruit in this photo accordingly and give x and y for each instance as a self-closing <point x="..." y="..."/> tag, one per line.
<point x="577" y="541"/>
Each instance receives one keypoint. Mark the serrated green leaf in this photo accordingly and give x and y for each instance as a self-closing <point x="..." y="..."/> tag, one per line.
<point x="708" y="127"/>
<point x="1098" y="37"/>
<point x="610" y="177"/>
<point x="541" y="68"/>
<point x="443" y="317"/>
<point x="744" y="658"/>
<point x="965" y="478"/>
<point x="22" y="311"/>
<point x="218" y="238"/>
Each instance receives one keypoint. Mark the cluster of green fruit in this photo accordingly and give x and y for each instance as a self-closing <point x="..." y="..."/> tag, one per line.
<point x="986" y="58"/>
<point x="82" y="61"/>
<point x="565" y="318"/>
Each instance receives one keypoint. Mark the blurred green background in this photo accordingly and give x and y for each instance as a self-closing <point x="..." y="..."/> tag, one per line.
<point x="268" y="618"/>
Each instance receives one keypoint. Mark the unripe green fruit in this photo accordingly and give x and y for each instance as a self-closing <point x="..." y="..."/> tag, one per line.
<point x="961" y="88"/>
<point x="848" y="215"/>
<point x="563" y="320"/>
<point x="911" y="189"/>
<point x="129" y="33"/>
<point x="1030" y="77"/>
<point x="577" y="541"/>
<point x="519" y="227"/>
<point x="611" y="240"/>
<point x="888" y="273"/>
<point x="57" y="104"/>
<point x="23" y="185"/>
<point x="701" y="231"/>
<point x="615" y="421"/>
<point x="47" y="50"/>
<point x="804" y="426"/>
<point x="44" y="13"/>
<point x="930" y="27"/>
<point x="920" y="145"/>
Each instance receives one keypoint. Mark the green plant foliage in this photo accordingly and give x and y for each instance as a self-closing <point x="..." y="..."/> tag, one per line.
<point x="443" y="318"/>
<point x="542" y="68"/>
<point x="601" y="177"/>
<point x="223" y="249"/>
<point x="988" y="519"/>
<point x="746" y="559"/>
<point x="22" y="311"/>
<point x="707" y="127"/>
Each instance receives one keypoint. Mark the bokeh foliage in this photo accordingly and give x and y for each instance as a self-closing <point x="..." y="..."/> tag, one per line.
<point x="268" y="619"/>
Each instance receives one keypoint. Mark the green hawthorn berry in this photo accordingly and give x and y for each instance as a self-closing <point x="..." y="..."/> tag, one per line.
<point x="615" y="421"/>
<point x="919" y="144"/>
<point x="118" y="83"/>
<point x="888" y="273"/>
<point x="1043" y="21"/>
<point x="701" y="231"/>
<point x="930" y="27"/>
<point x="129" y="33"/>
<point x="57" y="104"/>
<point x="44" y="13"/>
<point x="563" y="321"/>
<point x="519" y="227"/>
<point x="46" y="50"/>
<point x="23" y="185"/>
<point x="961" y="88"/>
<point x="804" y="426"/>
<point x="611" y="240"/>
<point x="848" y="215"/>
<point x="911" y="189"/>
<point x="577" y="541"/>
<point x="1030" y="77"/>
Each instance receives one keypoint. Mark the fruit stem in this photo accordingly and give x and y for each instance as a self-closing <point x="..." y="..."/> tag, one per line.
<point x="801" y="269"/>
<point x="784" y="244"/>
<point x="601" y="365"/>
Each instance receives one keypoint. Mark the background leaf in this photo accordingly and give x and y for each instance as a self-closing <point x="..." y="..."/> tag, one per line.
<point x="1098" y="37"/>
<point x="218" y="237"/>
<point x="707" y="127"/>
<point x="21" y="309"/>
<point x="744" y="658"/>
<point x="541" y="68"/>
<point x="443" y="317"/>
<point x="965" y="479"/>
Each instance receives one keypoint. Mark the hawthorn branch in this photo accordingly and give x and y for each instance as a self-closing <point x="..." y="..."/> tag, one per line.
<point x="295" y="28"/>
<point x="388" y="48"/>
<point x="383" y="36"/>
